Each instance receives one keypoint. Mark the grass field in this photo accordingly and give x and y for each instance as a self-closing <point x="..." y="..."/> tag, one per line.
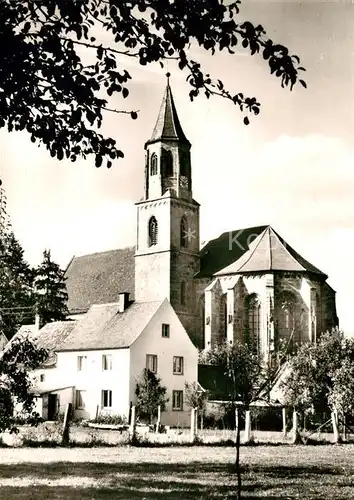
<point x="273" y="472"/>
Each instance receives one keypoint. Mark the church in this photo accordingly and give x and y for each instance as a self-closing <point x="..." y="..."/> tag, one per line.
<point x="155" y="304"/>
<point x="247" y="284"/>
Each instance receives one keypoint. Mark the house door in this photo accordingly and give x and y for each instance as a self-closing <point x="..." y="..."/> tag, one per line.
<point x="52" y="406"/>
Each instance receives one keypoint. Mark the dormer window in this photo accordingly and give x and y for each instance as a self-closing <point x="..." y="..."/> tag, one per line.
<point x="153" y="231"/>
<point x="153" y="164"/>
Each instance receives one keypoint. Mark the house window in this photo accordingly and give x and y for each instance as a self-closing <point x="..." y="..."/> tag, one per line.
<point x="42" y="377"/>
<point x="106" y="399"/>
<point x="165" y="331"/>
<point x="153" y="231"/>
<point x="80" y="400"/>
<point x="81" y="363"/>
<point x="178" y="365"/>
<point x="183" y="293"/>
<point x="184" y="233"/>
<point x="177" y="400"/>
<point x="106" y="362"/>
<point x="151" y="362"/>
<point x="153" y="168"/>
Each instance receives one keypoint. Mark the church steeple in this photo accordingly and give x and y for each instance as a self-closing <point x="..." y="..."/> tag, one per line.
<point x="168" y="127"/>
<point x="168" y="154"/>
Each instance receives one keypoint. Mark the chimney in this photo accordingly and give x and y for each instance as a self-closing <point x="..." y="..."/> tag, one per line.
<point x="123" y="300"/>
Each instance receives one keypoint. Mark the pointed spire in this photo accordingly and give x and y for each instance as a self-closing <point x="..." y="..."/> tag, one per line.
<point x="168" y="126"/>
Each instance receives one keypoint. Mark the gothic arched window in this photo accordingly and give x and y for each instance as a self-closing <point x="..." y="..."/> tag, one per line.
<point x="183" y="293"/>
<point x="153" y="231"/>
<point x="286" y="325"/>
<point x="223" y="317"/>
<point x="167" y="162"/>
<point x="153" y="164"/>
<point x="253" y="320"/>
<point x="184" y="232"/>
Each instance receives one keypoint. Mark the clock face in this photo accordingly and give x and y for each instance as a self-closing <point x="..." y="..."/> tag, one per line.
<point x="183" y="181"/>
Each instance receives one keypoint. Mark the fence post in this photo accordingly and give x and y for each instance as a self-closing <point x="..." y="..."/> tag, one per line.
<point x="247" y="427"/>
<point x="158" y="422"/>
<point x="192" y="424"/>
<point x="284" y="420"/>
<point x="132" y="428"/>
<point x="334" y="417"/>
<point x="66" y="424"/>
<point x="296" y="436"/>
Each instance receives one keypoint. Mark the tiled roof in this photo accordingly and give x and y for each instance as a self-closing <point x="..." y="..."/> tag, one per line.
<point x="54" y="334"/>
<point x="168" y="126"/>
<point x="103" y="327"/>
<point x="269" y="252"/>
<point x="98" y="278"/>
<point x="225" y="249"/>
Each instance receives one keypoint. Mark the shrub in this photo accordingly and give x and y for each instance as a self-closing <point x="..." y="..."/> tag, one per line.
<point x="111" y="419"/>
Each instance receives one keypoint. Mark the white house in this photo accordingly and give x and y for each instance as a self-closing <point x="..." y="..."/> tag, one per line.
<point x="95" y="361"/>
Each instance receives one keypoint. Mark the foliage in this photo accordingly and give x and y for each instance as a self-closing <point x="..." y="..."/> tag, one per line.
<point x="322" y="375"/>
<point x="195" y="397"/>
<point x="107" y="418"/>
<point x="18" y="359"/>
<point x="50" y="290"/>
<point x="58" y="71"/>
<point x="16" y="293"/>
<point x="150" y="394"/>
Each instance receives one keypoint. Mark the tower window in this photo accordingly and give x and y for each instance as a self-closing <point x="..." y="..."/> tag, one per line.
<point x="153" y="231"/>
<point x="167" y="162"/>
<point x="183" y="293"/>
<point x="184" y="232"/>
<point x="153" y="164"/>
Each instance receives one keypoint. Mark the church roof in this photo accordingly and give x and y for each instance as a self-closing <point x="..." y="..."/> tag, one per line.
<point x="228" y="247"/>
<point x="168" y="126"/>
<point x="103" y="327"/>
<point x="251" y="250"/>
<point x="98" y="278"/>
<point x="269" y="252"/>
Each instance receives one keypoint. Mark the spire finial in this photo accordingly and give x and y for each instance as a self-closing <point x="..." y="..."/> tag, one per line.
<point x="168" y="74"/>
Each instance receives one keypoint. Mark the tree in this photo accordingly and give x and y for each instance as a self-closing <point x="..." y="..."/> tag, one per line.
<point x="57" y="73"/>
<point x="18" y="359"/>
<point x="248" y="378"/>
<point x="196" y="398"/>
<point x="50" y="290"/>
<point x="150" y="394"/>
<point x="321" y="376"/>
<point x="16" y="286"/>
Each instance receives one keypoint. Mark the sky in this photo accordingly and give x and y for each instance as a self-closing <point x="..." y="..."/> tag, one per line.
<point x="292" y="167"/>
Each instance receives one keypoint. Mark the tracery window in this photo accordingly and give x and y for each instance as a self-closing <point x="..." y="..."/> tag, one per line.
<point x="153" y="231"/>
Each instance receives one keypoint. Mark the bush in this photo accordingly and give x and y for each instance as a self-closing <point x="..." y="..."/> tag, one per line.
<point x="110" y="419"/>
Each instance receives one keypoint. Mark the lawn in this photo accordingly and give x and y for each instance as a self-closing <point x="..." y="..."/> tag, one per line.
<point x="273" y="472"/>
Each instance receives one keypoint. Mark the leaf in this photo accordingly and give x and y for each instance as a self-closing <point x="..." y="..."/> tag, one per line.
<point x="246" y="120"/>
<point x="134" y="115"/>
<point x="303" y="83"/>
<point x="98" y="161"/>
<point x="125" y="92"/>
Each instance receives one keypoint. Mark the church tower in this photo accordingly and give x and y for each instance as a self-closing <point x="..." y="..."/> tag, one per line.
<point x="167" y="250"/>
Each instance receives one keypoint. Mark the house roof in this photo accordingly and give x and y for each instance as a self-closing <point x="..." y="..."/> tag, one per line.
<point x="269" y="252"/>
<point x="103" y="327"/>
<point x="251" y="250"/>
<point x="168" y="126"/>
<point x="54" y="334"/>
<point x="98" y="278"/>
